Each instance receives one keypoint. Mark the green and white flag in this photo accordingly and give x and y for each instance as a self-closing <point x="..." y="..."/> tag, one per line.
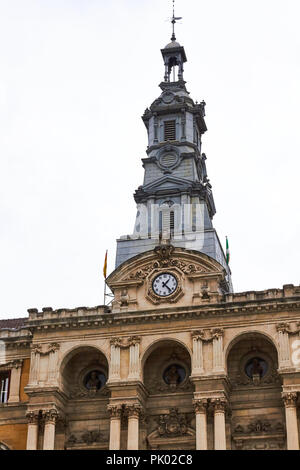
<point x="227" y="251"/>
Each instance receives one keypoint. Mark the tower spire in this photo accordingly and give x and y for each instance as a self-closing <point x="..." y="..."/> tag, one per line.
<point x="173" y="21"/>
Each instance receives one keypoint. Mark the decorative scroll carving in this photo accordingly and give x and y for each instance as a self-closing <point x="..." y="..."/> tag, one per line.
<point x="125" y="342"/>
<point x="172" y="424"/>
<point x="50" y="416"/>
<point x="158" y="386"/>
<point x="17" y="364"/>
<point x="245" y="381"/>
<point x="200" y="405"/>
<point x="186" y="268"/>
<point x="79" y="392"/>
<point x="219" y="404"/>
<point x="133" y="410"/>
<point x="33" y="417"/>
<point x="87" y="437"/>
<point x="115" y="411"/>
<point x="259" y="434"/>
<point x="38" y="349"/>
<point x="290" y="399"/>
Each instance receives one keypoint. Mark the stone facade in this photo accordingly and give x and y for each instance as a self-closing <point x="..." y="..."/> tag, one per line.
<point x="177" y="360"/>
<point x="169" y="375"/>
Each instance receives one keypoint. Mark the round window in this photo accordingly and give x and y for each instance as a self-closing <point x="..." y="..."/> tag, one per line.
<point x="174" y="374"/>
<point x="94" y="380"/>
<point x="256" y="366"/>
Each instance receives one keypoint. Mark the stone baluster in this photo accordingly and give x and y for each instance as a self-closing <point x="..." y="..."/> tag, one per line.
<point x="134" y="357"/>
<point x="32" y="429"/>
<point x="115" y="360"/>
<point x="133" y="412"/>
<point x="292" y="432"/>
<point x="15" y="379"/>
<point x="50" y="418"/>
<point x="115" y="426"/>
<point x="284" y="346"/>
<point x="218" y="355"/>
<point x="200" y="406"/>
<point x="219" y="406"/>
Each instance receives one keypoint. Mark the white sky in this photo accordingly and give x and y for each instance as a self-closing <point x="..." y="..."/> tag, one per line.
<point x="75" y="77"/>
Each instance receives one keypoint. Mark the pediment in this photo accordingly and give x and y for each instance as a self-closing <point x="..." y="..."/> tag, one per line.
<point x="188" y="262"/>
<point x="167" y="182"/>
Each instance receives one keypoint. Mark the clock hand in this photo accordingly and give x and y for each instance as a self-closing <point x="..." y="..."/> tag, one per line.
<point x="164" y="284"/>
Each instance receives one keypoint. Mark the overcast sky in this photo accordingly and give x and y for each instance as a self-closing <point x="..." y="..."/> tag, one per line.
<point x="75" y="77"/>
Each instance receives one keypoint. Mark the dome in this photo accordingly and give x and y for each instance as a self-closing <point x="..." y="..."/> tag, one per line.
<point x="172" y="44"/>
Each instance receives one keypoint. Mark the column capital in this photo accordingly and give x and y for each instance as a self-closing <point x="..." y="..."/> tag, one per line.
<point x="50" y="416"/>
<point x="289" y="399"/>
<point x="283" y="327"/>
<point x="198" y="334"/>
<point x="133" y="410"/>
<point x="217" y="333"/>
<point x="115" y="411"/>
<point x="33" y="417"/>
<point x="200" y="405"/>
<point x="219" y="404"/>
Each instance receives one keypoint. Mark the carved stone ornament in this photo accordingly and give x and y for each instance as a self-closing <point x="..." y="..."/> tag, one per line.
<point x="207" y="335"/>
<point x="33" y="417"/>
<point x="50" y="416"/>
<point x="125" y="342"/>
<point x="172" y="424"/>
<point x="260" y="434"/>
<point x="283" y="327"/>
<point x="219" y="404"/>
<point x="290" y="399"/>
<point x="38" y="349"/>
<point x="79" y="392"/>
<point x="200" y="405"/>
<point x="115" y="411"/>
<point x="16" y="364"/>
<point x="133" y="410"/>
<point x="87" y="437"/>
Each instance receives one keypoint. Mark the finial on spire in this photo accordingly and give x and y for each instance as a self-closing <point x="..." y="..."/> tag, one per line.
<point x="173" y="21"/>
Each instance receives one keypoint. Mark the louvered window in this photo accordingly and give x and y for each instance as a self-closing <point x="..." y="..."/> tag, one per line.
<point x="166" y="223"/>
<point x="4" y="385"/>
<point x="170" y="130"/>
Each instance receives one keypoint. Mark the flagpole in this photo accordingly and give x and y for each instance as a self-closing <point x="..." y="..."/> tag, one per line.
<point x="104" y="291"/>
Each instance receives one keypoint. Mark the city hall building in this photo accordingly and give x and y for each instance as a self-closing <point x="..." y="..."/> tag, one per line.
<point x="177" y="360"/>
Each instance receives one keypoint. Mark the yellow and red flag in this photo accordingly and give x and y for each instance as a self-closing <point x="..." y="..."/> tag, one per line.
<point x="105" y="265"/>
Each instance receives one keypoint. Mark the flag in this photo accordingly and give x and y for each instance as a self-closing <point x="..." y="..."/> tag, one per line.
<point x="105" y="265"/>
<point x="227" y="251"/>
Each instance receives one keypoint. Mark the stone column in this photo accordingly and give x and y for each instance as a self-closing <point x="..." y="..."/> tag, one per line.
<point x="115" y="426"/>
<point x="53" y="356"/>
<point x="218" y="360"/>
<point x="115" y="361"/>
<point x="201" y="423"/>
<point x="219" y="405"/>
<point x="32" y="430"/>
<point x="50" y="418"/>
<point x="133" y="413"/>
<point x="292" y="433"/>
<point x="134" y="357"/>
<point x="197" y="360"/>
<point x="15" y="379"/>
<point x="284" y="345"/>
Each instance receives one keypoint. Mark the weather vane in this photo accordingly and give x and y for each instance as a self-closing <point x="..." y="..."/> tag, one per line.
<point x="174" y="19"/>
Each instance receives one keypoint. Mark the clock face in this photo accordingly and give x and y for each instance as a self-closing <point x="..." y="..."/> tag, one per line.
<point x="164" y="284"/>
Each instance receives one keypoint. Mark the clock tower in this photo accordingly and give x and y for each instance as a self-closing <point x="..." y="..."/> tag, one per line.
<point x="175" y="204"/>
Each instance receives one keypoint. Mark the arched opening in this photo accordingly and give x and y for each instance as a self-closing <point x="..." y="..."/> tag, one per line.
<point x="167" y="368"/>
<point x="84" y="373"/>
<point x="257" y="419"/>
